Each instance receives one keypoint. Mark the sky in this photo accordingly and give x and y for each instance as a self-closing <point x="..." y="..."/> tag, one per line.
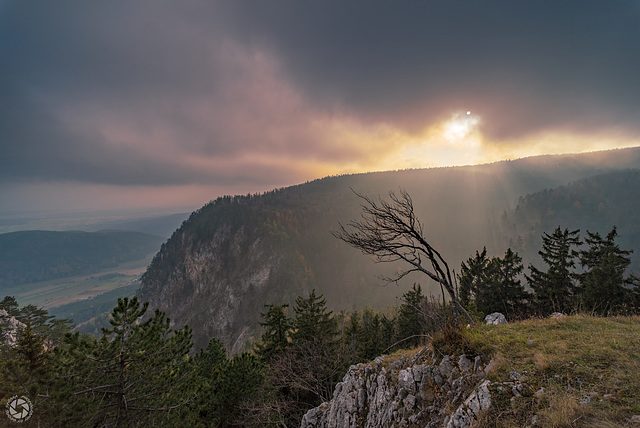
<point x="138" y="104"/>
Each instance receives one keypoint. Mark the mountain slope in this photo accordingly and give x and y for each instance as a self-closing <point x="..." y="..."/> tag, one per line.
<point x="31" y="256"/>
<point x="595" y="204"/>
<point x="237" y="253"/>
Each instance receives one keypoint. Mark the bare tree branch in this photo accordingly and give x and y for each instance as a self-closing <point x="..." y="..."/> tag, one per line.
<point x="390" y="231"/>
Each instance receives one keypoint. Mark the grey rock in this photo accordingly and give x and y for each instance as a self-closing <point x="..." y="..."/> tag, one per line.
<point x="495" y="318"/>
<point x="477" y="364"/>
<point x="465" y="364"/>
<point x="410" y="401"/>
<point x="513" y="375"/>
<point x="406" y="380"/>
<point x="466" y="413"/>
<point x="410" y="395"/>
<point x="10" y="327"/>
<point x="445" y="367"/>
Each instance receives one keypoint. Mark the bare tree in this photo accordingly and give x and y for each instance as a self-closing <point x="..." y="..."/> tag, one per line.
<point x="390" y="231"/>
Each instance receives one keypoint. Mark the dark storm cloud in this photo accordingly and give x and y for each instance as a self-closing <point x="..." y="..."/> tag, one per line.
<point x="525" y="65"/>
<point x="234" y="91"/>
<point x="82" y="82"/>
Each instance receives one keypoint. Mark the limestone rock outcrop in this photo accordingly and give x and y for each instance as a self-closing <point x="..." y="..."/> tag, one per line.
<point x="9" y="327"/>
<point x="407" y="392"/>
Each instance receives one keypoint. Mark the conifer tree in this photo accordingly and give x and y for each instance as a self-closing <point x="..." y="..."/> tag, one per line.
<point x="275" y="336"/>
<point x="26" y="370"/>
<point x="313" y="321"/>
<point x="505" y="292"/>
<point x="10" y="305"/>
<point x="138" y="374"/>
<point x="211" y="358"/>
<point x="492" y="285"/>
<point x="351" y="334"/>
<point x="238" y="384"/>
<point x="473" y="277"/>
<point x="372" y="340"/>
<point x="604" y="286"/>
<point x="411" y="320"/>
<point x="554" y="288"/>
<point x="314" y="361"/>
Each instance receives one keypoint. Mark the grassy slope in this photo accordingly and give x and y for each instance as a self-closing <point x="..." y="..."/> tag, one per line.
<point x="572" y="358"/>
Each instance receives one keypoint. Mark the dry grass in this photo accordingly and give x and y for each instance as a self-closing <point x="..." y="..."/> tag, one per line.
<point x="572" y="358"/>
<point x="560" y="409"/>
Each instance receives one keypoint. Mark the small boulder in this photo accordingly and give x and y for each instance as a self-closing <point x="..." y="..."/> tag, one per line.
<point x="495" y="318"/>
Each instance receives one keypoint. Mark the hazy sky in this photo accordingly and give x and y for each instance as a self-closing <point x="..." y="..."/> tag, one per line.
<point x="146" y="103"/>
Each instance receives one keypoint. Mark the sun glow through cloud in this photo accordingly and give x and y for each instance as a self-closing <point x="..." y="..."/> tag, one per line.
<point x="460" y="126"/>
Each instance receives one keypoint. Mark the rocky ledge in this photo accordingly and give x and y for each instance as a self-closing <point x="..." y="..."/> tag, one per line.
<point x="451" y="392"/>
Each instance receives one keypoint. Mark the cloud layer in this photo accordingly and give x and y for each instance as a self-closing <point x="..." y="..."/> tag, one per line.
<point x="237" y="96"/>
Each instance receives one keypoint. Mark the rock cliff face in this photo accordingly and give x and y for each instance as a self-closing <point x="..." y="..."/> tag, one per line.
<point x="216" y="280"/>
<point x="410" y="392"/>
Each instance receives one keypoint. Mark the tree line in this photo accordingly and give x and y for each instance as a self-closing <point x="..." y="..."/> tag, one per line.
<point x="593" y="279"/>
<point x="141" y="372"/>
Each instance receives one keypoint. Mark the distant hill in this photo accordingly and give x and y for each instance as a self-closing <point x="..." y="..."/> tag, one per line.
<point x="31" y="256"/>
<point x="92" y="221"/>
<point x="595" y="204"/>
<point x="237" y="253"/>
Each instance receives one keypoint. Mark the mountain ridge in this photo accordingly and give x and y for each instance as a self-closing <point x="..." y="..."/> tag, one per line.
<point x="237" y="253"/>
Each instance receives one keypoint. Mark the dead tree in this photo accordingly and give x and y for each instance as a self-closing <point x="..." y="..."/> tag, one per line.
<point x="390" y="231"/>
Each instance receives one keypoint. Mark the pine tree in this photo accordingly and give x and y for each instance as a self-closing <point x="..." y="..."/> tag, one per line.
<point x="473" y="277"/>
<point x="10" y="305"/>
<point x="554" y="288"/>
<point x="411" y="319"/>
<point x="313" y="321"/>
<point x="351" y="334"/>
<point x="275" y="336"/>
<point x="239" y="383"/>
<point x="306" y="373"/>
<point x="371" y="340"/>
<point x="211" y="358"/>
<point x="138" y="374"/>
<point x="604" y="287"/>
<point x="505" y="289"/>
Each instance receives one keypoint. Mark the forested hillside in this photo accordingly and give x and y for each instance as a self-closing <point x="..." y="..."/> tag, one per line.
<point x="38" y="255"/>
<point x="237" y="253"/>
<point x="592" y="204"/>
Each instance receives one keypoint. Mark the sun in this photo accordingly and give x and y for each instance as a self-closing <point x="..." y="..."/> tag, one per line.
<point x="460" y="126"/>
